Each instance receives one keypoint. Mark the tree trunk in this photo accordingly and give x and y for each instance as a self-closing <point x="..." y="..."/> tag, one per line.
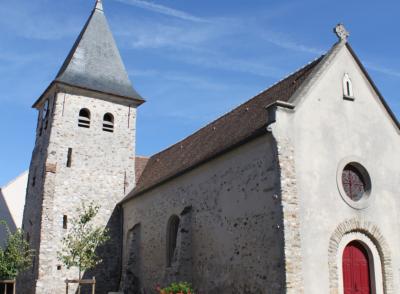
<point x="80" y="277"/>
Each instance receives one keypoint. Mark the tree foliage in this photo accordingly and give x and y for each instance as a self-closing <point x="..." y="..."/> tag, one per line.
<point x="82" y="240"/>
<point x="17" y="256"/>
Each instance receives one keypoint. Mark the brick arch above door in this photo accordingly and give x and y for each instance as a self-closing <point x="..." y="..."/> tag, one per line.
<point x="374" y="234"/>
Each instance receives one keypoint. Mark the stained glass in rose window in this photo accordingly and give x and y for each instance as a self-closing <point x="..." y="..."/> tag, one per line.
<point x="353" y="183"/>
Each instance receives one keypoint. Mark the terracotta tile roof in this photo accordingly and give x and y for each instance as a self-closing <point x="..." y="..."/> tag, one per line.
<point x="140" y="164"/>
<point x="244" y="122"/>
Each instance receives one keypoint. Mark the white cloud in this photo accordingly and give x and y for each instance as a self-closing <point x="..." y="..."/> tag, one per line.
<point x="283" y="41"/>
<point x="144" y="34"/>
<point x="27" y="20"/>
<point x="201" y="35"/>
<point x="183" y="78"/>
<point x="197" y="44"/>
<point x="218" y="61"/>
<point x="383" y="70"/>
<point x="163" y="10"/>
<point x="11" y="62"/>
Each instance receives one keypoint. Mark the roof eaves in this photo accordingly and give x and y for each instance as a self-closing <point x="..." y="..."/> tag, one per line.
<point x="136" y="101"/>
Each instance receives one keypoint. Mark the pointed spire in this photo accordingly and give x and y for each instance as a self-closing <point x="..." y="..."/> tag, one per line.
<point x="94" y="61"/>
<point x="99" y="5"/>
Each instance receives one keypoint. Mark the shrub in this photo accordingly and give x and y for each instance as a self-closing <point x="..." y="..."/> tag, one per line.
<point x="177" y="288"/>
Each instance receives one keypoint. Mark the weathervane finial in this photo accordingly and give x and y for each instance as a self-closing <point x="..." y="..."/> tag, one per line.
<point x="99" y="5"/>
<point x="341" y="32"/>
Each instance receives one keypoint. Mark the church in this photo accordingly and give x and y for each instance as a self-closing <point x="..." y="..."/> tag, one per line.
<point x="294" y="191"/>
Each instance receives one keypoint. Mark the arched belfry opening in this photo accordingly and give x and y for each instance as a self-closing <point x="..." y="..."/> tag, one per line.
<point x="108" y="123"/>
<point x="84" y="118"/>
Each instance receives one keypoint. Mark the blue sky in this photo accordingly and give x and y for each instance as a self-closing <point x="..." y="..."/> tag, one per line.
<point x="191" y="60"/>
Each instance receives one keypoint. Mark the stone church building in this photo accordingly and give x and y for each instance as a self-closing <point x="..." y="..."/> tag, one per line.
<point x="294" y="191"/>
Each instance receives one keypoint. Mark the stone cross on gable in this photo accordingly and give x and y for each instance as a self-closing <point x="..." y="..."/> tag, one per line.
<point x="341" y="32"/>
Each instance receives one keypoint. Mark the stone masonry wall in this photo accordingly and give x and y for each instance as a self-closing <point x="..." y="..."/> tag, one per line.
<point x="38" y="176"/>
<point x="285" y="152"/>
<point x="231" y="225"/>
<point x="102" y="170"/>
<point x="291" y="223"/>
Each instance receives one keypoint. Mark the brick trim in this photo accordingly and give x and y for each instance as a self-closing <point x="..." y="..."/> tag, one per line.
<point x="375" y="235"/>
<point x="291" y="226"/>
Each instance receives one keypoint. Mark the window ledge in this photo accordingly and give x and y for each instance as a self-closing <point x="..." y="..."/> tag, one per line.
<point x="349" y="98"/>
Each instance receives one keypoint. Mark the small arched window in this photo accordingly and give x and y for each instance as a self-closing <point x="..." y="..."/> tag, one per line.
<point x="108" y="123"/>
<point x="84" y="118"/>
<point x="172" y="237"/>
<point x="347" y="87"/>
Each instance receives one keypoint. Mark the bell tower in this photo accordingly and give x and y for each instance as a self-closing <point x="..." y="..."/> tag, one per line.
<point x="84" y="149"/>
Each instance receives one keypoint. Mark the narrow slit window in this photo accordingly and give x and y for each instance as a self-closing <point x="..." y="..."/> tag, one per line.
<point x="347" y="87"/>
<point x="34" y="180"/>
<point x="84" y="118"/>
<point x="69" y="157"/>
<point x="45" y="114"/>
<point x="39" y="124"/>
<point x="65" y="222"/>
<point x="108" y="123"/>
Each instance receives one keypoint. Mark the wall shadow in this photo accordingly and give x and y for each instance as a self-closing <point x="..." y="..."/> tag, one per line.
<point x="108" y="273"/>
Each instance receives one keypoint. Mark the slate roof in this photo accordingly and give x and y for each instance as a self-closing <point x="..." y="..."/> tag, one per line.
<point x="94" y="61"/>
<point x="234" y="128"/>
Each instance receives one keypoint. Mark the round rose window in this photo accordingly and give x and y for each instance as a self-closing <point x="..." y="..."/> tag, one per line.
<point x="355" y="181"/>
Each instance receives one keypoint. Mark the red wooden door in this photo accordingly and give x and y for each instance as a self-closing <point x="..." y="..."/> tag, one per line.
<point x="356" y="278"/>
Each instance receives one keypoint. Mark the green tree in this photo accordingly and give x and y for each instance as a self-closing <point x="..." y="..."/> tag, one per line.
<point x="82" y="240"/>
<point x="17" y="256"/>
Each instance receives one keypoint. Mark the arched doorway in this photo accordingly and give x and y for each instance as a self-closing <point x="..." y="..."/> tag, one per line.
<point x="356" y="269"/>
